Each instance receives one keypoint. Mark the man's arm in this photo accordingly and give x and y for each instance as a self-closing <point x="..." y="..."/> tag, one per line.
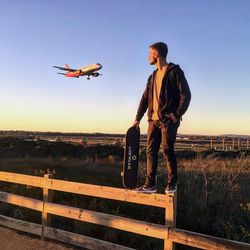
<point x="185" y="94"/>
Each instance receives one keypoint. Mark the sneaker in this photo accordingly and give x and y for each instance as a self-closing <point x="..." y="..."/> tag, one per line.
<point x="146" y="189"/>
<point x="171" y="188"/>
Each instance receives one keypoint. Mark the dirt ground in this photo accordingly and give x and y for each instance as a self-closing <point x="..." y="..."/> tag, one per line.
<point x="12" y="240"/>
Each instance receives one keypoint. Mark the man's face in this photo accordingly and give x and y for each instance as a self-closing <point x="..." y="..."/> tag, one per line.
<point x="152" y="56"/>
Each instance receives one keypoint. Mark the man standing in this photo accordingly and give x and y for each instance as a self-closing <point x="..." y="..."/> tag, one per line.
<point x="167" y="97"/>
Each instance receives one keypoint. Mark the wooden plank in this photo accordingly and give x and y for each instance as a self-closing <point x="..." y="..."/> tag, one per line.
<point x="21" y="201"/>
<point x="126" y="224"/>
<point x="158" y="200"/>
<point x="47" y="196"/>
<point x="80" y="240"/>
<point x="170" y="218"/>
<point x="204" y="241"/>
<point x="22" y="179"/>
<point x="24" y="226"/>
<point x="60" y="235"/>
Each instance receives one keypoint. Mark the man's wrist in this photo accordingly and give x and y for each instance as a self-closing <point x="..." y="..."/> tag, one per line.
<point x="176" y="115"/>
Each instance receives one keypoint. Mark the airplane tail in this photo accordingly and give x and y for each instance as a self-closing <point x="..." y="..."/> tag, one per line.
<point x="66" y="66"/>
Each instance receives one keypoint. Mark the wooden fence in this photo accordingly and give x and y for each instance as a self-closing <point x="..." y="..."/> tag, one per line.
<point x="187" y="143"/>
<point x="168" y="232"/>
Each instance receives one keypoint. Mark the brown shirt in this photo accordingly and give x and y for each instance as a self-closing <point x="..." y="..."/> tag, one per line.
<point x="157" y="90"/>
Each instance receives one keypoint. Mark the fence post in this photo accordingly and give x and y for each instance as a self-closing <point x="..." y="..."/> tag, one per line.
<point x="211" y="144"/>
<point x="170" y="218"/>
<point x="47" y="197"/>
<point x="223" y="143"/>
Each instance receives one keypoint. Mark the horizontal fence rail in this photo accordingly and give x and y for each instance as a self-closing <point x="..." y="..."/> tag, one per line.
<point x="60" y="235"/>
<point x="166" y="232"/>
<point x="119" y="194"/>
<point x="204" y="241"/>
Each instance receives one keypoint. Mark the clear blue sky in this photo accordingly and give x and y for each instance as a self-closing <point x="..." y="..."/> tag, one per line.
<point x="210" y="40"/>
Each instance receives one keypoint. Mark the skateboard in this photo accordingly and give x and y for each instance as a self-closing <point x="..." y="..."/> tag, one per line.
<point x="131" y="158"/>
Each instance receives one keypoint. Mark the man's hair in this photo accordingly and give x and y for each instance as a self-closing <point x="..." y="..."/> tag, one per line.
<point x="161" y="47"/>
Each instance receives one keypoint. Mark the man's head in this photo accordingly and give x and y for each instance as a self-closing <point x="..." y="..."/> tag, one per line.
<point x="157" y="50"/>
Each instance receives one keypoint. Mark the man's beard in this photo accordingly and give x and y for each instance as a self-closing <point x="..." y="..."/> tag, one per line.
<point x="153" y="62"/>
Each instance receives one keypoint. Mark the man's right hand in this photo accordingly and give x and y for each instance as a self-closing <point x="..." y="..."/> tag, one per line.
<point x="136" y="124"/>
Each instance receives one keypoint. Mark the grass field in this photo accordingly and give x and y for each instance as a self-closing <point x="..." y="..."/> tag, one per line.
<point x="213" y="191"/>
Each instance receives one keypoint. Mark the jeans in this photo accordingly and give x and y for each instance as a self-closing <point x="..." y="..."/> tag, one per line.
<point x="164" y="133"/>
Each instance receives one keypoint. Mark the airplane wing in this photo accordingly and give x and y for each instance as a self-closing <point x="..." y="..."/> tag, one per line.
<point x="66" y="69"/>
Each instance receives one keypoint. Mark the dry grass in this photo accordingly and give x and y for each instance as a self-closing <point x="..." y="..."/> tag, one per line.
<point x="213" y="195"/>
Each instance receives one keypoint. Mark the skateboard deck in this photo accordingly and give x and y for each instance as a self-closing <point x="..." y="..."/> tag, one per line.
<point x="131" y="158"/>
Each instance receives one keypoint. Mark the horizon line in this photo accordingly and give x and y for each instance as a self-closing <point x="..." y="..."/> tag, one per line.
<point x="35" y="131"/>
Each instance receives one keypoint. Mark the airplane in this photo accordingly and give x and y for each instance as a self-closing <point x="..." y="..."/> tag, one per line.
<point x="90" y="70"/>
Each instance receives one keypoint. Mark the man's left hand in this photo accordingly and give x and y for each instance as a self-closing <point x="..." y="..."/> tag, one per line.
<point x="172" y="117"/>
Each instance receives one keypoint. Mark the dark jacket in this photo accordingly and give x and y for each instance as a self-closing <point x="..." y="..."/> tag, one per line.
<point x="174" y="98"/>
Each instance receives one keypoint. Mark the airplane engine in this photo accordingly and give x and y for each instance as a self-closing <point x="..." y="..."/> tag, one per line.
<point x="95" y="74"/>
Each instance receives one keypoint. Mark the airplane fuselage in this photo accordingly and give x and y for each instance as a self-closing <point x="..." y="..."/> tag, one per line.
<point x="90" y="69"/>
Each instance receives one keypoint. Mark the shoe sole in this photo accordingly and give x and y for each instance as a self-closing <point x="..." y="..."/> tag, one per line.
<point x="145" y="191"/>
<point x="172" y="191"/>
